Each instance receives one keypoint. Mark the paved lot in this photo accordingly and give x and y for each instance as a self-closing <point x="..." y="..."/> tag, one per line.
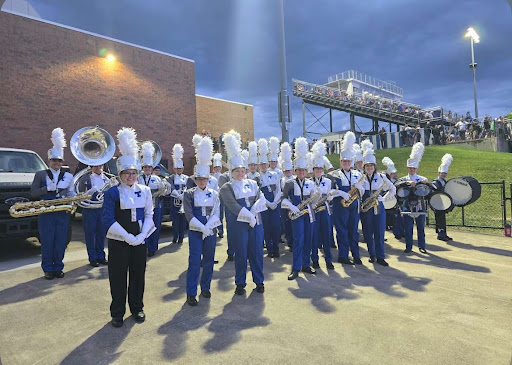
<point x="452" y="306"/>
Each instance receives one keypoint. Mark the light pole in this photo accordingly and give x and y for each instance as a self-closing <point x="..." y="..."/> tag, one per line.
<point x="474" y="39"/>
<point x="284" y="99"/>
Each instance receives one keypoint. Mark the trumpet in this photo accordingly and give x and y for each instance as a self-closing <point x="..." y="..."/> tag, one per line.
<point x="354" y="194"/>
<point x="303" y="207"/>
<point x="28" y="209"/>
<point x="372" y="201"/>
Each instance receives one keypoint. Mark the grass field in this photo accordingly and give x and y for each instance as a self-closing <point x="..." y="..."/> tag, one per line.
<point x="485" y="166"/>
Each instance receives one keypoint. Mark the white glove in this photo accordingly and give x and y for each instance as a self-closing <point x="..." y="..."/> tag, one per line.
<point x="253" y="221"/>
<point x="51" y="187"/>
<point x="139" y="239"/>
<point x="207" y="232"/>
<point x="91" y="191"/>
<point x="380" y="198"/>
<point x="344" y="195"/>
<point x="294" y="209"/>
<point x="329" y="198"/>
<point x="131" y="240"/>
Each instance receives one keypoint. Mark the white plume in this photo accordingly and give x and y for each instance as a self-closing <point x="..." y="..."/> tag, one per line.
<point x="58" y="138"/>
<point x="263" y="147"/>
<point x="319" y="149"/>
<point x="196" y="139"/>
<point x="232" y="145"/>
<point x="286" y="152"/>
<point x="417" y="151"/>
<point x="177" y="153"/>
<point x="237" y="136"/>
<point x="245" y="155"/>
<point x="253" y="149"/>
<point x="274" y="145"/>
<point x="301" y="147"/>
<point x="148" y="150"/>
<point x="327" y="164"/>
<point x="128" y="145"/>
<point x="366" y="145"/>
<point x="217" y="157"/>
<point x="204" y="151"/>
<point x="309" y="160"/>
<point x="387" y="161"/>
<point x="348" y="141"/>
<point x="446" y="161"/>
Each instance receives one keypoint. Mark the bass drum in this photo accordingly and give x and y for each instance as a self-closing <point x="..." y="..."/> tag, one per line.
<point x="441" y="202"/>
<point x="423" y="190"/>
<point x="390" y="204"/>
<point x="463" y="190"/>
<point x="403" y="190"/>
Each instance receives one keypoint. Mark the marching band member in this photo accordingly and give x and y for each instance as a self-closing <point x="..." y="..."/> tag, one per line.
<point x="287" y="165"/>
<point x="212" y="180"/>
<point x="223" y="179"/>
<point x="201" y="206"/>
<point x="358" y="159"/>
<point x="412" y="179"/>
<point x="322" y="228"/>
<point x="329" y="167"/>
<point x="374" y="219"/>
<point x="296" y="192"/>
<point x="243" y="202"/>
<point x="91" y="217"/>
<point x="346" y="220"/>
<point x="50" y="184"/>
<point x="274" y="156"/>
<point x="128" y="217"/>
<point x="217" y="172"/>
<point x="269" y="184"/>
<point x="155" y="184"/>
<point x="178" y="181"/>
<point x="438" y="185"/>
<point x="393" y="217"/>
<point x="253" y="161"/>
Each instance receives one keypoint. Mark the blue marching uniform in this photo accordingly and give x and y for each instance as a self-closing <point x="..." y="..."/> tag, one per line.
<point x="398" y="221"/>
<point x="53" y="227"/>
<point x="420" y="220"/>
<point x="294" y="193"/>
<point x="179" y="183"/>
<point x="243" y="201"/>
<point x="271" y="188"/>
<point x="220" y="229"/>
<point x="374" y="220"/>
<point x="201" y="210"/>
<point x="91" y="219"/>
<point x="223" y="179"/>
<point x="155" y="183"/>
<point x="346" y="220"/>
<point x="322" y="230"/>
<point x="286" y="223"/>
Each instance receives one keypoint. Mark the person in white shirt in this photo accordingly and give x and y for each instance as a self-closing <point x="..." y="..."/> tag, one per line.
<point x="178" y="181"/>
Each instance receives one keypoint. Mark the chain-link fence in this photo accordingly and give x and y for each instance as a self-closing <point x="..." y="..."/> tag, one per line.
<point x="489" y="211"/>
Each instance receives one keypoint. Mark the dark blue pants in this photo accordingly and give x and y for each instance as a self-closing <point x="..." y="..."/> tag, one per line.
<point x="398" y="224"/>
<point x="230" y="220"/>
<point x="220" y="228"/>
<point x="272" y="229"/>
<point x="53" y="235"/>
<point x="302" y="230"/>
<point x="94" y="233"/>
<point x="199" y="248"/>
<point x="374" y="227"/>
<point x="178" y="223"/>
<point x="248" y="245"/>
<point x="152" y="241"/>
<point x="420" y="227"/>
<point x="346" y="221"/>
<point x="287" y="227"/>
<point x="321" y="236"/>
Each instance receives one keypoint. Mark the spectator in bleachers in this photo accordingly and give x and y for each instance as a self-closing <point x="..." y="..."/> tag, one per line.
<point x="383" y="138"/>
<point x="461" y="127"/>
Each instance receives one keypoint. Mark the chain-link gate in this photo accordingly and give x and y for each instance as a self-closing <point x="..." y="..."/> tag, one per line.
<point x="489" y="211"/>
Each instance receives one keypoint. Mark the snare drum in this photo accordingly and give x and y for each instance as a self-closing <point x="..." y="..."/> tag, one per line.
<point x="403" y="190"/>
<point x="441" y="202"/>
<point x="422" y="189"/>
<point x="390" y="203"/>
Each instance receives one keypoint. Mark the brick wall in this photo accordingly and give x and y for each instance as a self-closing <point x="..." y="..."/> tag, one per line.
<point x="219" y="116"/>
<point x="51" y="76"/>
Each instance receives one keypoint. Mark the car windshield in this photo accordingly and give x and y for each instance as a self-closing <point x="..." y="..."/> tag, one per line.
<point x="19" y="161"/>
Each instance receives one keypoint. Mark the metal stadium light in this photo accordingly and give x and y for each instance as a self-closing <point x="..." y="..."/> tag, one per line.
<point x="473" y="35"/>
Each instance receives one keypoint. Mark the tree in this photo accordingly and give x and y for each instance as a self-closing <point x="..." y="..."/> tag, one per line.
<point x="509" y="115"/>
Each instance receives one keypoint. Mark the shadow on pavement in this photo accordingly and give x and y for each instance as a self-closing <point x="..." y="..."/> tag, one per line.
<point x="486" y="249"/>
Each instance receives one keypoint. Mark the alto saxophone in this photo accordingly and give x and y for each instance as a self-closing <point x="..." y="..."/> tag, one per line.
<point x="303" y="207"/>
<point x="372" y="201"/>
<point x="320" y="205"/>
<point x="354" y="194"/>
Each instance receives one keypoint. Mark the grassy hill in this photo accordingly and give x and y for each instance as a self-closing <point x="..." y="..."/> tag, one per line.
<point x="484" y="166"/>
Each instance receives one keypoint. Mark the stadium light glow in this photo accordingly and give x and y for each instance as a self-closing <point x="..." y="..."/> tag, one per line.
<point x="111" y="57"/>
<point x="473" y="35"/>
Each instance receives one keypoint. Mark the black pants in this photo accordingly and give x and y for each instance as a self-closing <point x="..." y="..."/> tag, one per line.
<point x="440" y="223"/>
<point x="124" y="259"/>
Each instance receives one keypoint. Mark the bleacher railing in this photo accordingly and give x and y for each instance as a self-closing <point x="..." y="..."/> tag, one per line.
<point x="369" y="80"/>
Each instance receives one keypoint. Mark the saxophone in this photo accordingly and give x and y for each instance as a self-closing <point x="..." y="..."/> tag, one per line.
<point x="320" y="205"/>
<point x="372" y="201"/>
<point x="303" y="207"/>
<point x="28" y="209"/>
<point x="353" y="192"/>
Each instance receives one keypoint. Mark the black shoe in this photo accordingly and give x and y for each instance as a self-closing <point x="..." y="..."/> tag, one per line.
<point x="398" y="237"/>
<point x="174" y="240"/>
<point x="58" y="274"/>
<point x="372" y="259"/>
<point x="277" y="255"/>
<point x="231" y="258"/>
<point x="422" y="250"/>
<point x="293" y="275"/>
<point x="445" y="239"/>
<point x="94" y="263"/>
<point x="206" y="294"/>
<point x="408" y="250"/>
<point x="316" y="265"/>
<point x="345" y="261"/>
<point x="382" y="262"/>
<point x="221" y="235"/>
<point x="270" y="255"/>
<point x="240" y="290"/>
<point x="329" y="265"/>
<point x="449" y="238"/>
<point x="333" y="245"/>
<point x="308" y="270"/>
<point x="102" y="262"/>
<point x="260" y="288"/>
<point x="180" y="240"/>
<point x="192" y="301"/>
<point x="117" y="321"/>
<point x="151" y="253"/>
<point x="215" y="262"/>
<point x="139" y="317"/>
<point x="357" y="261"/>
<point x="385" y="240"/>
<point x="48" y="275"/>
